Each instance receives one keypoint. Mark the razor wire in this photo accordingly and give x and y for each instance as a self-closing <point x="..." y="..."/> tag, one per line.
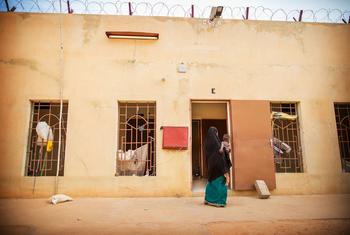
<point x="136" y="8"/>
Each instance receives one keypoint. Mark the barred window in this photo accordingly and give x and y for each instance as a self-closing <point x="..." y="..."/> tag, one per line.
<point x="342" y="117"/>
<point x="137" y="139"/>
<point x="286" y="137"/>
<point x="42" y="153"/>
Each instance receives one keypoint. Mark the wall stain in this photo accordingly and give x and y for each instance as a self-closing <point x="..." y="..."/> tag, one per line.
<point x="99" y="105"/>
<point x="90" y="26"/>
<point x="165" y="19"/>
<point x="290" y="30"/>
<point x="175" y="107"/>
<point x="203" y="25"/>
<point x="130" y="61"/>
<point x="24" y="16"/>
<point x="184" y="86"/>
<point x="282" y="29"/>
<point x="96" y="104"/>
<point x="31" y="64"/>
<point x="86" y="168"/>
<point x="205" y="65"/>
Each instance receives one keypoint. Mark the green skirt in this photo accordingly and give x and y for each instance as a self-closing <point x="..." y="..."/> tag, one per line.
<point x="216" y="192"/>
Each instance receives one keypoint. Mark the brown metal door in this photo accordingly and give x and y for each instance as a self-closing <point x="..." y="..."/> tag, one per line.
<point x="252" y="154"/>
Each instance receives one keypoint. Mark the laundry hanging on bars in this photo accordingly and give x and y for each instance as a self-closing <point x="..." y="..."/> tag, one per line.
<point x="45" y="135"/>
<point x="279" y="147"/>
<point x="284" y="116"/>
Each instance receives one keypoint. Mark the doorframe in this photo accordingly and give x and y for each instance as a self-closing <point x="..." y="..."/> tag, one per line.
<point x="229" y="130"/>
<point x="201" y="149"/>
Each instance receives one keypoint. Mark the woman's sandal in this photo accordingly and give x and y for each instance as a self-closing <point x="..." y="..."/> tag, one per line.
<point x="213" y="204"/>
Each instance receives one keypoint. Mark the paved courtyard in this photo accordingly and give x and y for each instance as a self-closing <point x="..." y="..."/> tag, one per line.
<point x="309" y="214"/>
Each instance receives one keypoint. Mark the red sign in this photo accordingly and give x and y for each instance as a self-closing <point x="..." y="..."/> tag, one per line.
<point x="175" y="137"/>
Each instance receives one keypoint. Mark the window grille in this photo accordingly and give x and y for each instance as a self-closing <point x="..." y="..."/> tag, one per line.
<point x="137" y="139"/>
<point x="342" y="116"/>
<point x="287" y="132"/>
<point x="40" y="161"/>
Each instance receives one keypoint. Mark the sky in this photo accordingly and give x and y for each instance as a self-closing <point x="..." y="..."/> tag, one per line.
<point x="274" y="4"/>
<point x="202" y="7"/>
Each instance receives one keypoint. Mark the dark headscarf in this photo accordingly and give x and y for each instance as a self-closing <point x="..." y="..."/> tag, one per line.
<point x="216" y="162"/>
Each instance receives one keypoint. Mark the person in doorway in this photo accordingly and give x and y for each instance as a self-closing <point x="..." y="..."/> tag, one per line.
<point x="216" y="189"/>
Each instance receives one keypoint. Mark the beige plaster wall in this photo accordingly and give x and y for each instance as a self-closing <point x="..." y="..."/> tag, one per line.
<point x="243" y="60"/>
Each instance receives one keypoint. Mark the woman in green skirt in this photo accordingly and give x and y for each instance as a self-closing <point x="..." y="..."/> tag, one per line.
<point x="216" y="190"/>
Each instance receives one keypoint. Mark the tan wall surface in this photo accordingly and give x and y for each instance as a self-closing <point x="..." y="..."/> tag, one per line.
<point x="242" y="60"/>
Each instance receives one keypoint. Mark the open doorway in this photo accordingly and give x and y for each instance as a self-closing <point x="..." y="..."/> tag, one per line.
<point x="204" y="115"/>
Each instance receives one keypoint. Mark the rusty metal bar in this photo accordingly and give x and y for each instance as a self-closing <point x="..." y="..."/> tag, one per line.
<point x="130" y="10"/>
<point x="301" y="15"/>
<point x="246" y="17"/>
<point x="7" y="6"/>
<point x="70" y="11"/>
<point x="345" y="21"/>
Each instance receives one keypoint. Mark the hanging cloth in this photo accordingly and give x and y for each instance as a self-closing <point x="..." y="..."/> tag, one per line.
<point x="284" y="116"/>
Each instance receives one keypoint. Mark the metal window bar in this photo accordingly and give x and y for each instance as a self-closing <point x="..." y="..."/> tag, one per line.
<point x="287" y="131"/>
<point x="136" y="152"/>
<point x="39" y="162"/>
<point x="342" y="116"/>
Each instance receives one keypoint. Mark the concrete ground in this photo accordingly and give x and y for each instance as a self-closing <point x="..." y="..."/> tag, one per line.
<point x="312" y="214"/>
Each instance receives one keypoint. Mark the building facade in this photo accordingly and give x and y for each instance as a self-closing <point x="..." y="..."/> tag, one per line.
<point x="122" y="97"/>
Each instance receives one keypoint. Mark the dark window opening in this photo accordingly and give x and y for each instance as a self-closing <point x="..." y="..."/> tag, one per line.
<point x="342" y="116"/>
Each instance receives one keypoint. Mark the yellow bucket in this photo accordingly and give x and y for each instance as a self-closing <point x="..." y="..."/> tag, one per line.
<point x="49" y="146"/>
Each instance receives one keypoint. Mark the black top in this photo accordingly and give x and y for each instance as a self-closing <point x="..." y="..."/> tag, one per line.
<point x="227" y="158"/>
<point x="216" y="161"/>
